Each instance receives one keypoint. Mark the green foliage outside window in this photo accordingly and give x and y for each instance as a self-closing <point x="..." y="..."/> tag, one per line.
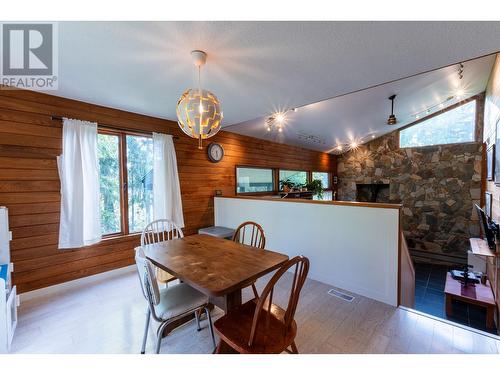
<point x="109" y="178"/>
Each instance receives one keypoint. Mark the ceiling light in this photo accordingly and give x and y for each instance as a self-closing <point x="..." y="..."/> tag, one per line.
<point x="280" y="129"/>
<point x="373" y="136"/>
<point x="417" y="117"/>
<point x="392" y="118"/>
<point x="339" y="147"/>
<point x="354" y="144"/>
<point x="280" y="118"/>
<point x="460" y="93"/>
<point x="206" y="121"/>
<point x="268" y="128"/>
<point x="295" y="109"/>
<point x="441" y="105"/>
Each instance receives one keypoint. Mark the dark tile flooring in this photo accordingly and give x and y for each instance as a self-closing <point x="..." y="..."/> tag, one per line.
<point x="429" y="298"/>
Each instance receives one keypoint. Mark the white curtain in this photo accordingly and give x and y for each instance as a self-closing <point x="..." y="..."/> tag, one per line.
<point x="80" y="223"/>
<point x="167" y="202"/>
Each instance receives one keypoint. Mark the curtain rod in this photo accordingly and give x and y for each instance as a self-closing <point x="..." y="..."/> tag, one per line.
<point x="59" y="118"/>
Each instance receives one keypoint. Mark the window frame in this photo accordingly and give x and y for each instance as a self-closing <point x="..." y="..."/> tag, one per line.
<point x="122" y="151"/>
<point x="329" y="186"/>
<point x="276" y="171"/>
<point x="308" y="175"/>
<point x="273" y="170"/>
<point x="476" y="98"/>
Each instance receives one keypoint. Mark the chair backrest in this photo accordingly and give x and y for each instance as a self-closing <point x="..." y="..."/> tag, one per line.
<point x="146" y="273"/>
<point x="299" y="277"/>
<point x="160" y="231"/>
<point x="250" y="233"/>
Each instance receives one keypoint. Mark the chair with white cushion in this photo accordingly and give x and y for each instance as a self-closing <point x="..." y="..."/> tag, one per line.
<point x="169" y="304"/>
<point x="160" y="231"/>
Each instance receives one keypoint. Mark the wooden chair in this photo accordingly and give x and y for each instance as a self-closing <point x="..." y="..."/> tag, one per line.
<point x="251" y="234"/>
<point x="160" y="231"/>
<point x="169" y="304"/>
<point x="259" y="326"/>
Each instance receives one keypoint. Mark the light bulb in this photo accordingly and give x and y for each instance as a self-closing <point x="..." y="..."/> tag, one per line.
<point x="339" y="147"/>
<point x="268" y="128"/>
<point x="280" y="129"/>
<point x="373" y="136"/>
<point x="201" y="109"/>
<point x="354" y="144"/>
<point x="280" y="117"/>
<point x="460" y="93"/>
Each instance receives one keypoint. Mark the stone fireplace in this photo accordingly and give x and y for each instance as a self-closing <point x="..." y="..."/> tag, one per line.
<point x="373" y="193"/>
<point x="436" y="185"/>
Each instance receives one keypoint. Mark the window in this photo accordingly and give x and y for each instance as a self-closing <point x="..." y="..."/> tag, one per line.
<point x="125" y="160"/>
<point x="324" y="177"/>
<point x="109" y="178"/>
<point x="253" y="180"/>
<point x="457" y="125"/>
<point x="295" y="177"/>
<point x="140" y="182"/>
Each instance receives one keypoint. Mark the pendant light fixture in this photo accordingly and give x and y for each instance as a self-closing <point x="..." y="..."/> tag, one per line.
<point x="392" y="119"/>
<point x="199" y="112"/>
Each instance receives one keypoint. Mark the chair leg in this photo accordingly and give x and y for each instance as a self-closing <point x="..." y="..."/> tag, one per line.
<point x="146" y="329"/>
<point x="210" y="326"/>
<point x="255" y="293"/>
<point x="197" y="317"/>
<point x="294" y="348"/>
<point x="161" y="328"/>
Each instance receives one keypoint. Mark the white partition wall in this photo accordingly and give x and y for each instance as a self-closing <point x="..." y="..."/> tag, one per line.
<point x="349" y="246"/>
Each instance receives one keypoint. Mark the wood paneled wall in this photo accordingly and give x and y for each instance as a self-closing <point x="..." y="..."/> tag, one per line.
<point x="29" y="182"/>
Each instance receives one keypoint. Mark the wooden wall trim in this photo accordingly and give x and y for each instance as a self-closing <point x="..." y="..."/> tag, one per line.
<point x="30" y="141"/>
<point x="307" y="201"/>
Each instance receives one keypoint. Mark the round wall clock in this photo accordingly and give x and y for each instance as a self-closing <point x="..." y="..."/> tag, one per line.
<point x="215" y="152"/>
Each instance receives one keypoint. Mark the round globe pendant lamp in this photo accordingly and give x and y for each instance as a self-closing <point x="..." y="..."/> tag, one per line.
<point x="199" y="112"/>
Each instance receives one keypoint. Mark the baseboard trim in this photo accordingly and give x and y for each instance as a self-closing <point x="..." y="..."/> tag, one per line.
<point x="77" y="282"/>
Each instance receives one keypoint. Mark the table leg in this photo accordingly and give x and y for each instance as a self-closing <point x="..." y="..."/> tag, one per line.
<point x="230" y="302"/>
<point x="449" y="306"/>
<point x="490" y="320"/>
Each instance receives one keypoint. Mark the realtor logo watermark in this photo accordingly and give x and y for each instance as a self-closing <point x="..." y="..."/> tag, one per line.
<point x="29" y="56"/>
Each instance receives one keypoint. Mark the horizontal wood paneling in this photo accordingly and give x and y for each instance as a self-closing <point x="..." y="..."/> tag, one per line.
<point x="30" y="141"/>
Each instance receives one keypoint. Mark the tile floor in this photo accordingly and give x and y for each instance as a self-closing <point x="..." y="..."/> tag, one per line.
<point x="429" y="298"/>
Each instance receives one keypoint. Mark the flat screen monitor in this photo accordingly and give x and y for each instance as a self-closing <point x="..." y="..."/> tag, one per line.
<point x="486" y="226"/>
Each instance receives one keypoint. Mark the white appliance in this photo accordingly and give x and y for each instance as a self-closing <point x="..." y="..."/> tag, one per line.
<point x="8" y="300"/>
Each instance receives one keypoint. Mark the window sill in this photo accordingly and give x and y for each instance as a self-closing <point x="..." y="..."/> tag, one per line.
<point x="114" y="237"/>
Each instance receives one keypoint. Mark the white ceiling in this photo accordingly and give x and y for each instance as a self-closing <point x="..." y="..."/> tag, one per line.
<point x="362" y="115"/>
<point x="256" y="67"/>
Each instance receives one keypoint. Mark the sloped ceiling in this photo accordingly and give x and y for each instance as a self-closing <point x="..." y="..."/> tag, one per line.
<point x="256" y="67"/>
<point x="362" y="116"/>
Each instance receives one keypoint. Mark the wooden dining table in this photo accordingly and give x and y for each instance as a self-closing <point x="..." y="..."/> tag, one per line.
<point x="217" y="267"/>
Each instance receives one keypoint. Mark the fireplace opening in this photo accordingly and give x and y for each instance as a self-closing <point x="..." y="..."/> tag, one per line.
<point x="373" y="193"/>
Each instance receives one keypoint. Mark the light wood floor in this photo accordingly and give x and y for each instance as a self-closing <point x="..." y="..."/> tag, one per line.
<point x="105" y="314"/>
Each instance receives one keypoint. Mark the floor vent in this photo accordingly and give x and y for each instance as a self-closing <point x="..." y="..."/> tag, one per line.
<point x="339" y="294"/>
